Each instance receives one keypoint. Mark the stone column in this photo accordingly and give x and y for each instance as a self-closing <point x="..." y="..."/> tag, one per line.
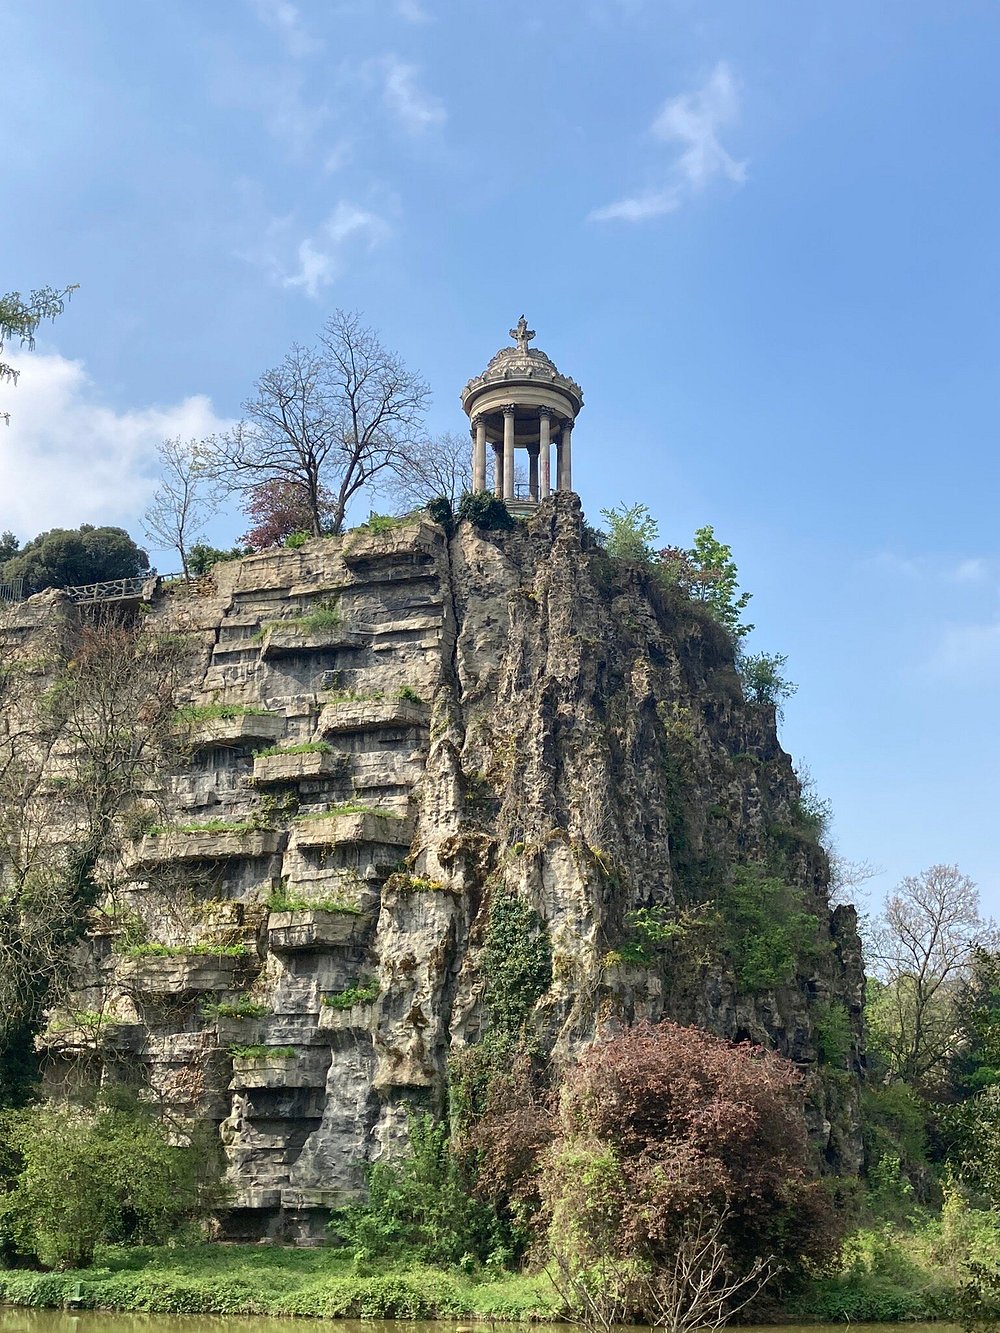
<point x="533" y="471"/>
<point x="497" y="472"/>
<point x="479" y="455"/>
<point x="566" y="457"/>
<point x="544" y="425"/>
<point x="508" y="452"/>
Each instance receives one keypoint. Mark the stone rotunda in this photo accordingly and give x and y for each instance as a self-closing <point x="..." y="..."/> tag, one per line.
<point x="521" y="401"/>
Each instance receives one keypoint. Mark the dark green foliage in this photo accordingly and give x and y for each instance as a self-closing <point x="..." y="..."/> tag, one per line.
<point x="484" y="511"/>
<point x="64" y="558"/>
<point x="976" y="1063"/>
<point x="83" y="1177"/>
<point x="440" y="511"/>
<point x="421" y="1207"/>
<point x="516" y="962"/>
<point x="201" y="558"/>
<point x="766" y="931"/>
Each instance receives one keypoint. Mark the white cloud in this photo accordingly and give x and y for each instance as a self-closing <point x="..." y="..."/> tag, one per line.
<point x="416" y="111"/>
<point x="283" y="18"/>
<point x="320" y="258"/>
<point x="692" y="120"/>
<point x="932" y="568"/>
<point x="67" y="458"/>
<point x="413" y="11"/>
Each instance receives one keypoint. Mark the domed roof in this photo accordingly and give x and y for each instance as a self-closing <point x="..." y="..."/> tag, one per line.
<point x="522" y="365"/>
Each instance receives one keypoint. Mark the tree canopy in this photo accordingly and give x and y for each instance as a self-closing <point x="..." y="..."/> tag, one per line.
<point x="67" y="557"/>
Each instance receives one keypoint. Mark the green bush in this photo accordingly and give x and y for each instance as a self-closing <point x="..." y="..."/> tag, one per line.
<point x="346" y="999"/>
<point x="483" y="510"/>
<point x="766" y="931"/>
<point x="83" y="1177"/>
<point x="201" y="558"/>
<point x="296" y="540"/>
<point x="421" y="1207"/>
<point x="440" y="511"/>
<point x="833" y="1033"/>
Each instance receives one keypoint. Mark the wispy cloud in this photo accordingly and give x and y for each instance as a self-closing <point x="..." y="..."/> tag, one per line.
<point x="105" y="459"/>
<point x="413" y="11"/>
<point x="968" y="653"/>
<point x="415" y="110"/>
<point x="938" y="569"/>
<point x="284" y="19"/>
<point x="692" y="120"/>
<point x="320" y="258"/>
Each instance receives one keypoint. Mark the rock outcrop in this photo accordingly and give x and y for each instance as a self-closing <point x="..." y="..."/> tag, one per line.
<point x="381" y="733"/>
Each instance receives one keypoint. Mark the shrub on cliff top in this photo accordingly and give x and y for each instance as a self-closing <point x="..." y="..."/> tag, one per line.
<point x="485" y="511"/>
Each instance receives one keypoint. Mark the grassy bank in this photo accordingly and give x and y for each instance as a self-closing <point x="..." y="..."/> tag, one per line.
<point x="268" y="1280"/>
<point x="893" y="1272"/>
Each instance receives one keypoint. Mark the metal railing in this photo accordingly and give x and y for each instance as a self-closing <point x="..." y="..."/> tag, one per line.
<point x="12" y="591"/>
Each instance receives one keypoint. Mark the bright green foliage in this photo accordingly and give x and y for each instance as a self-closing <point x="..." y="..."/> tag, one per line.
<point x="379" y="523"/>
<point x="280" y="900"/>
<point x="307" y="747"/>
<point x="766" y="931"/>
<point x="84" y="1177"/>
<point x="296" y="540"/>
<point x="895" y="1126"/>
<point x="213" y="712"/>
<point x="241" y="1007"/>
<point x="485" y="511"/>
<point x="632" y="533"/>
<point x="421" y="1207"/>
<point x="763" y="683"/>
<point x="409" y="693"/>
<point x="257" y="1052"/>
<point x="720" y="590"/>
<point x="200" y="948"/>
<point x="833" y="1033"/>
<point x="346" y="999"/>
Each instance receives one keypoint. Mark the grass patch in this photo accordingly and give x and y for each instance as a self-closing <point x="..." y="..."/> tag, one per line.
<point x="241" y="1007"/>
<point x="263" y="1052"/>
<point x="307" y="747"/>
<point x="200" y="949"/>
<point x="348" y="808"/>
<point x="353" y="696"/>
<point x="327" y="615"/>
<point x="281" y="901"/>
<point x="408" y="692"/>
<point x="212" y="712"/>
<point x="347" y="999"/>
<point x="208" y="826"/>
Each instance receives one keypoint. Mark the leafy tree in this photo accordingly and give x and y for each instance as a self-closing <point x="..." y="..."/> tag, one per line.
<point x="336" y="416"/>
<point x="85" y="1177"/>
<point x="976" y="1063"/>
<point x="763" y="683"/>
<point x="277" y="509"/>
<point x="20" y="317"/>
<point x="921" y="950"/>
<point x="202" y="558"/>
<point x="422" y="1206"/>
<point x="9" y="547"/>
<point x="65" y="558"/>
<point x="663" y="1125"/>
<point x="766" y="929"/>
<point x="632" y="532"/>
<point x="183" y="501"/>
<point x="719" y="584"/>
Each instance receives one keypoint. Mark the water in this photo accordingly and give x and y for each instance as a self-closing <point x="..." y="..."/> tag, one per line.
<point x="62" y="1321"/>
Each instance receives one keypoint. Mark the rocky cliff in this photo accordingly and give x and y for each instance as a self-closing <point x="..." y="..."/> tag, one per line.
<point x="379" y="737"/>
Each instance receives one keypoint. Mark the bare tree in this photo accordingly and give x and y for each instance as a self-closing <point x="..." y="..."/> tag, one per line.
<point x="920" y="949"/>
<point x="442" y="466"/>
<point x="184" y="499"/>
<point x="698" y="1287"/>
<point x="328" y="420"/>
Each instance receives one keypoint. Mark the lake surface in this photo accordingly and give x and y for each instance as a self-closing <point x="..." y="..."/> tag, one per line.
<point x="97" y="1321"/>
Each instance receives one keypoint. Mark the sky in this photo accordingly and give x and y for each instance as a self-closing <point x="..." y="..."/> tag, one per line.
<point x="763" y="238"/>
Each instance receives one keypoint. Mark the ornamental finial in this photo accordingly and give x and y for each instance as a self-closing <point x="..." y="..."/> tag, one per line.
<point x="522" y="335"/>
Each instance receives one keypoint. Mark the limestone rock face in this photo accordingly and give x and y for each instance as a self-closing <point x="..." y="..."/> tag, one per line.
<point x="445" y="719"/>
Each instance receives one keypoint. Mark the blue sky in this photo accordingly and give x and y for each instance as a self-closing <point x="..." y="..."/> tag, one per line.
<point x="762" y="237"/>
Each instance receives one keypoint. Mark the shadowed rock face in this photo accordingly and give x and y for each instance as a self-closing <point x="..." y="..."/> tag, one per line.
<point x="497" y="712"/>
